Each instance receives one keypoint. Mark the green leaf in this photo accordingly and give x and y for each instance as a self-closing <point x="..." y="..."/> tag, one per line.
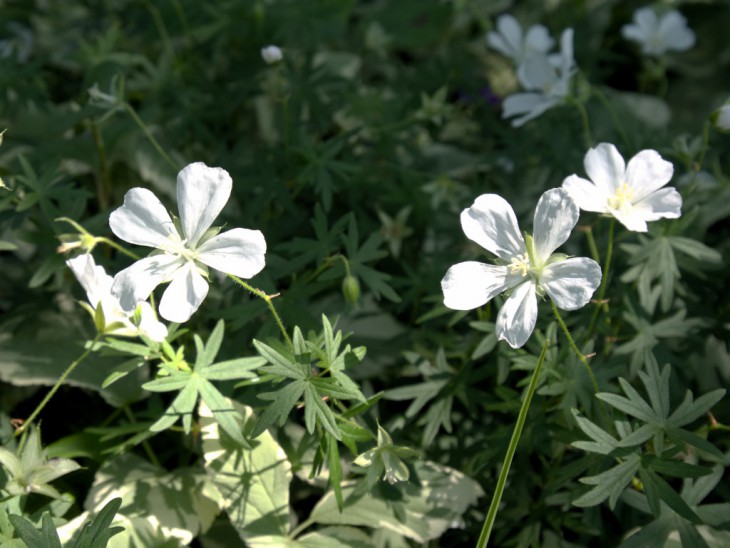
<point x="317" y="411"/>
<point x="182" y="502"/>
<point x="689" y="411"/>
<point x="670" y="497"/>
<point x="207" y="356"/>
<point x="603" y="443"/>
<point x="283" y="401"/>
<point x="420" y="510"/>
<point x="280" y="365"/>
<point x="335" y="469"/>
<point x="182" y="406"/>
<point x="96" y="534"/>
<point x="684" y="436"/>
<point x="240" y="368"/>
<point x="678" y="469"/>
<point x="46" y="537"/>
<point x="223" y="412"/>
<point x="609" y="484"/>
<point x="639" y="409"/>
<point x="254" y="482"/>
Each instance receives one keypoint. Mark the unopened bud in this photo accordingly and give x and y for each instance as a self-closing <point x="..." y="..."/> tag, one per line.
<point x="351" y="289"/>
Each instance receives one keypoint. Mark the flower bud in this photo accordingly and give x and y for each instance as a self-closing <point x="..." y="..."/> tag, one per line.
<point x="351" y="289"/>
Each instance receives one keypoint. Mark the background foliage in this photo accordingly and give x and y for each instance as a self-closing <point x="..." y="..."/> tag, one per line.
<point x="354" y="156"/>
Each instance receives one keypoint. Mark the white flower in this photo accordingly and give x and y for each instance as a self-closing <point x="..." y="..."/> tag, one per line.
<point x="97" y="284"/>
<point x="548" y="80"/>
<point x="187" y="247"/>
<point x="271" y="54"/>
<point x="632" y="194"/>
<point x="528" y="268"/>
<point x="721" y="118"/>
<point x="659" y="34"/>
<point x="510" y="41"/>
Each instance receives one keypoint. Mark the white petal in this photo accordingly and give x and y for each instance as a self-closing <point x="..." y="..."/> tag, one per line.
<point x="646" y="19"/>
<point x="183" y="296"/>
<point x="142" y="220"/>
<point x="647" y="171"/>
<point x="497" y="41"/>
<point x="149" y="325"/>
<point x="135" y="283"/>
<point x="471" y="284"/>
<point x="519" y="103"/>
<point x="540" y="103"/>
<point x="239" y="252"/>
<point x="634" y="33"/>
<point x="536" y="72"/>
<point x="202" y="192"/>
<point x="95" y="281"/>
<point x="673" y="28"/>
<point x="555" y="216"/>
<point x="491" y="223"/>
<point x="516" y="320"/>
<point x="630" y="218"/>
<point x="664" y="203"/>
<point x="566" y="51"/>
<point x="572" y="282"/>
<point x="511" y="30"/>
<point x="605" y="167"/>
<point x="586" y="195"/>
<point x="538" y="39"/>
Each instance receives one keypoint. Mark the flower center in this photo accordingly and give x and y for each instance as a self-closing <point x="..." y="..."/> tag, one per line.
<point x="521" y="264"/>
<point x="621" y="200"/>
<point x="176" y="246"/>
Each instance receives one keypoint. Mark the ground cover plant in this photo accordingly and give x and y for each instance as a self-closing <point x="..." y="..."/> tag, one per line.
<point x="375" y="273"/>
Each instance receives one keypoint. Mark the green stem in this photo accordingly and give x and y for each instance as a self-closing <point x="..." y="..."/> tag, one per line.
<point x="145" y="444"/>
<point x="268" y="300"/>
<point x="614" y="117"/>
<point x="56" y="386"/>
<point x="115" y="245"/>
<point x="301" y="527"/>
<point x="584" y="120"/>
<point x="578" y="353"/>
<point x="149" y="136"/>
<point x="592" y="244"/>
<point x="602" y="291"/>
<point x="502" y="479"/>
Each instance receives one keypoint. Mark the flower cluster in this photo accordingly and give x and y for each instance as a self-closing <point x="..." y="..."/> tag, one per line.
<point x="527" y="267"/>
<point x="545" y="77"/>
<point x="184" y="250"/>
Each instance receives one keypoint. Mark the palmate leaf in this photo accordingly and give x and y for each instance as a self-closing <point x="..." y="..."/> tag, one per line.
<point x="307" y="364"/>
<point x="648" y="335"/>
<point x="609" y="484"/>
<point x="195" y="384"/>
<point x="668" y="520"/>
<point x="658" y="423"/>
<point x="420" y="510"/>
<point x="253" y="482"/>
<point x="282" y="402"/>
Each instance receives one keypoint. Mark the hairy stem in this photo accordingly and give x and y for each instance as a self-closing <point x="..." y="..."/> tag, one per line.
<point x="268" y="300"/>
<point x="56" y="386"/>
<point x="502" y="480"/>
<point x="604" y="278"/>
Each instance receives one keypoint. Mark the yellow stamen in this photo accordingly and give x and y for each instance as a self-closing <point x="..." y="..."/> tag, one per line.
<point x="622" y="197"/>
<point x="521" y="264"/>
